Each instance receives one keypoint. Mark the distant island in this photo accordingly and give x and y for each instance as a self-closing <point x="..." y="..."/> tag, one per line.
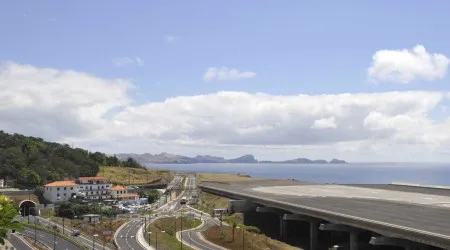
<point x="165" y="158"/>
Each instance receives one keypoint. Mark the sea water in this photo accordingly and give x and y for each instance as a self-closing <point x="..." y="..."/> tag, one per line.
<point x="354" y="173"/>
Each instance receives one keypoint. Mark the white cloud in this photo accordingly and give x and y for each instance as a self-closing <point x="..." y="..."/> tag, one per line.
<point x="324" y="123"/>
<point x="56" y="103"/>
<point x="126" y="61"/>
<point x="226" y="74"/>
<point x="170" y="39"/>
<point x="404" y="66"/>
<point x="98" y="114"/>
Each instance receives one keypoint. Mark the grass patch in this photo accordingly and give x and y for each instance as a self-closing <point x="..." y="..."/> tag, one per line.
<point x="208" y="202"/>
<point x="224" y="237"/>
<point x="225" y="178"/>
<point x="170" y="225"/>
<point x="135" y="176"/>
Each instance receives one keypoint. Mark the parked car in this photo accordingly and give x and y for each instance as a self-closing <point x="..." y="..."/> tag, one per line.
<point x="75" y="233"/>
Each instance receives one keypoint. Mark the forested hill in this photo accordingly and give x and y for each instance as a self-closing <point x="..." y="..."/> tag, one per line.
<point x="29" y="161"/>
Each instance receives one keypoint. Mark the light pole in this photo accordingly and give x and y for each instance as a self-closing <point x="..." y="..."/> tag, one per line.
<point x="181" y="231"/>
<point x="243" y="236"/>
<point x="93" y="240"/>
<point x="149" y="238"/>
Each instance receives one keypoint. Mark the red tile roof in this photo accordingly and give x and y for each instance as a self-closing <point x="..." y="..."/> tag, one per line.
<point x="118" y="188"/>
<point x="61" y="184"/>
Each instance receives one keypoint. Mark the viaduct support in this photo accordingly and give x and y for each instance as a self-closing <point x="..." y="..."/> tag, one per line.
<point x="313" y="226"/>
<point x="279" y="214"/>
<point x="354" y="233"/>
<point x="389" y="241"/>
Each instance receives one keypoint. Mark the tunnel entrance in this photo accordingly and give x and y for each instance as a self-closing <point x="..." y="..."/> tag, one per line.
<point x="28" y="207"/>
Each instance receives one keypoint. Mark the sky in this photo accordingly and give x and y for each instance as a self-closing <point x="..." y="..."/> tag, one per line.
<point x="356" y="80"/>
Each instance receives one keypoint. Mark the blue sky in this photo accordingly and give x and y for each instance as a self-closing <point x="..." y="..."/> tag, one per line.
<point x="289" y="47"/>
<point x="293" y="46"/>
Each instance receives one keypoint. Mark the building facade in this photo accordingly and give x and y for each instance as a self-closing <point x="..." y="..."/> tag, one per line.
<point x="60" y="191"/>
<point x="95" y="188"/>
<point x="117" y="190"/>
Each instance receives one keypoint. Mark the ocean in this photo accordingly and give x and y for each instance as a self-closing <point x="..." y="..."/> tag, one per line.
<point x="353" y="173"/>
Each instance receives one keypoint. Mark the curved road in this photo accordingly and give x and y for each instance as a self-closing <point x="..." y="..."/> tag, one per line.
<point x="126" y="236"/>
<point x="193" y="237"/>
<point x="18" y="243"/>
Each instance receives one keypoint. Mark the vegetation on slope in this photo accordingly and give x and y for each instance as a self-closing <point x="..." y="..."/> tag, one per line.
<point x="30" y="161"/>
<point x="207" y="202"/>
<point x="135" y="176"/>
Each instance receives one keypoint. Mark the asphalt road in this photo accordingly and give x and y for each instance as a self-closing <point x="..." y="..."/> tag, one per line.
<point x="126" y="236"/>
<point x="47" y="239"/>
<point x="82" y="238"/>
<point x="192" y="237"/>
<point x="384" y="206"/>
<point x="18" y="243"/>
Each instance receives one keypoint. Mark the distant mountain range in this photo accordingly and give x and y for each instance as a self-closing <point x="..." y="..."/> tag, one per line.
<point x="165" y="158"/>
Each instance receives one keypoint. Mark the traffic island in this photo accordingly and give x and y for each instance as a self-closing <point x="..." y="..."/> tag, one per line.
<point x="161" y="234"/>
<point x="230" y="238"/>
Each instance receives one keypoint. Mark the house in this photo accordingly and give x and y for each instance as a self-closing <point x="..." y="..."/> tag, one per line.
<point x="128" y="197"/>
<point x="95" y="188"/>
<point x="91" y="218"/>
<point x="121" y="193"/>
<point x="60" y="191"/>
<point x="117" y="190"/>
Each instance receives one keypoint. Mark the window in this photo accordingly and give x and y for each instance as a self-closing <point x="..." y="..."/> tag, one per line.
<point x="57" y="189"/>
<point x="64" y="194"/>
<point x="57" y="195"/>
<point x="65" y="188"/>
<point x="71" y="188"/>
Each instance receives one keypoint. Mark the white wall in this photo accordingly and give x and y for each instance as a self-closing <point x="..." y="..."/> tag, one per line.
<point x="51" y="193"/>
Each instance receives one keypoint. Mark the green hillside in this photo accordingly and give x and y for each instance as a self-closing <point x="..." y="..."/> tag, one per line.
<point x="29" y="161"/>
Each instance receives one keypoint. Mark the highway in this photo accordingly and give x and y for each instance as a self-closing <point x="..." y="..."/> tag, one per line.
<point x="47" y="239"/>
<point x="82" y="238"/>
<point x="193" y="237"/>
<point x="126" y="235"/>
<point x="390" y="210"/>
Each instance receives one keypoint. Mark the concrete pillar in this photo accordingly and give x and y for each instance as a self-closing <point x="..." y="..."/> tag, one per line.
<point x="279" y="213"/>
<point x="313" y="226"/>
<point x="354" y="233"/>
<point x="396" y="242"/>
<point x="354" y="240"/>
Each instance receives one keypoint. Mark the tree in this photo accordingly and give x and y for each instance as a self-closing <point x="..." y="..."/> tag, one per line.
<point x="7" y="214"/>
<point x="28" y="177"/>
<point x="151" y="195"/>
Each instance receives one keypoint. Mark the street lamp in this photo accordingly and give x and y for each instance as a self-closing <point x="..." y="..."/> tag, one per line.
<point x="243" y="236"/>
<point x="93" y="240"/>
<point x="149" y="238"/>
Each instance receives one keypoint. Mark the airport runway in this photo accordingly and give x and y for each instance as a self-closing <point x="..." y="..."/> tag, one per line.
<point x="390" y="207"/>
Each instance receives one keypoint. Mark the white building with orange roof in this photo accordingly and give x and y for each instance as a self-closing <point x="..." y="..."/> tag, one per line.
<point x="95" y="188"/>
<point x="60" y="191"/>
<point x="120" y="193"/>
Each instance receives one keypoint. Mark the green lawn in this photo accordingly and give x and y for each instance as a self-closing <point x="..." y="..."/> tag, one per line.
<point x="167" y="240"/>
